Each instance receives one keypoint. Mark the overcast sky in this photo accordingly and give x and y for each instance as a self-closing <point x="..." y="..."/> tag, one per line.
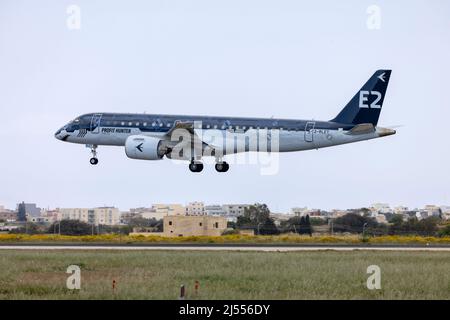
<point x="287" y="59"/>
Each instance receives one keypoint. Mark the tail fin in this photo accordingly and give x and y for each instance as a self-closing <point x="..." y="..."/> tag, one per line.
<point x="365" y="106"/>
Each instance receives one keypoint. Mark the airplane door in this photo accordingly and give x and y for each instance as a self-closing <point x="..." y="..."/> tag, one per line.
<point x="308" y="133"/>
<point x="95" y="123"/>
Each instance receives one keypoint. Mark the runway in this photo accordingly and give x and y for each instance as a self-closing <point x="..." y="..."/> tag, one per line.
<point x="262" y="248"/>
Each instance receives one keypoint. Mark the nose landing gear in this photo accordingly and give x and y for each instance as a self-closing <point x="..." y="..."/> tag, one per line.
<point x="94" y="160"/>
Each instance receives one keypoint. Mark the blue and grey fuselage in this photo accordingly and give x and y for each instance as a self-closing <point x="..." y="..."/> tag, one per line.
<point x="153" y="136"/>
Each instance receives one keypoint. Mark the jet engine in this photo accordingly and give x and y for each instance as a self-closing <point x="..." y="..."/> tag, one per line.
<point x="145" y="148"/>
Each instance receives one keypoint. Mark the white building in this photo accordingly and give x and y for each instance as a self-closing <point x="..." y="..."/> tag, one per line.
<point x="235" y="210"/>
<point x="381" y="208"/>
<point x="297" y="211"/>
<point x="432" y="210"/>
<point x="96" y="216"/>
<point x="195" y="209"/>
<point x="214" y="210"/>
<point x="400" y="209"/>
<point x="162" y="210"/>
<point x="156" y="211"/>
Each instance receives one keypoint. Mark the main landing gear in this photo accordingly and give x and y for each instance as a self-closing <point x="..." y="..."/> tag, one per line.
<point x="196" y="166"/>
<point x="94" y="160"/>
<point x="222" y="166"/>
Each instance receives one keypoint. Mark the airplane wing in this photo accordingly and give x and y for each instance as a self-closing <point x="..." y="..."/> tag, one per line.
<point x="187" y="125"/>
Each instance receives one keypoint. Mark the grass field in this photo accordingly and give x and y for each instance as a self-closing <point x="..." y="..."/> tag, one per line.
<point x="224" y="275"/>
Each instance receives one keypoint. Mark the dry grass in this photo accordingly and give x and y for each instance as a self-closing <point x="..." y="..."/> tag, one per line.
<point x="285" y="238"/>
<point x="224" y="275"/>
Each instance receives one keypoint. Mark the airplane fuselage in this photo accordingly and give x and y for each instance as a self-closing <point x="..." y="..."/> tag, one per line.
<point x="113" y="129"/>
<point x="188" y="137"/>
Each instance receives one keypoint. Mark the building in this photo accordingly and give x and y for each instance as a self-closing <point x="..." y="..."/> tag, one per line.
<point x="156" y="211"/>
<point x="433" y="211"/>
<point x="31" y="210"/>
<point x="195" y="209"/>
<point x="200" y="225"/>
<point x="380" y="208"/>
<point x="214" y="210"/>
<point x="127" y="216"/>
<point x="49" y="215"/>
<point x="401" y="209"/>
<point x="336" y="213"/>
<point x="297" y="211"/>
<point x="39" y="219"/>
<point x="8" y="215"/>
<point x="235" y="210"/>
<point x="381" y="218"/>
<point x="163" y="210"/>
<point x="184" y="226"/>
<point x="95" y="216"/>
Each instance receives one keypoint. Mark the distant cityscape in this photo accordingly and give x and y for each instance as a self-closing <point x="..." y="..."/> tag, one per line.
<point x="111" y="216"/>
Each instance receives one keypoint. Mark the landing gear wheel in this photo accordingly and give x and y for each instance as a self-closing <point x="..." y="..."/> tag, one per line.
<point x="196" y="166"/>
<point x="94" y="160"/>
<point x="222" y="167"/>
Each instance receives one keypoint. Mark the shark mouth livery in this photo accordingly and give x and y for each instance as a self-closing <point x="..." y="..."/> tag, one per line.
<point x="186" y="137"/>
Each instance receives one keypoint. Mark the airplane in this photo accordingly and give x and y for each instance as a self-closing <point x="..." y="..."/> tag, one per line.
<point x="151" y="136"/>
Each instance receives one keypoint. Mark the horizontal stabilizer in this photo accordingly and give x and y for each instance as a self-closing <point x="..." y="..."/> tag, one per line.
<point x="362" y="128"/>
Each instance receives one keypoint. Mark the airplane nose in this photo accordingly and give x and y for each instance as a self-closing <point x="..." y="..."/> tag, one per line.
<point x="61" y="134"/>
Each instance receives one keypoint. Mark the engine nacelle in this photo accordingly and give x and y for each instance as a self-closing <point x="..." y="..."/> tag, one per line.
<point x="144" y="148"/>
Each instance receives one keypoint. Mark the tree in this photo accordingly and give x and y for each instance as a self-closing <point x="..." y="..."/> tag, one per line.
<point x="308" y="227"/>
<point x="71" y="228"/>
<point x="21" y="212"/>
<point x="396" y="219"/>
<point x="352" y="222"/>
<point x="257" y="217"/>
<point x="300" y="225"/>
<point x="28" y="228"/>
<point x="318" y="221"/>
<point x="445" y="232"/>
<point x="425" y="227"/>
